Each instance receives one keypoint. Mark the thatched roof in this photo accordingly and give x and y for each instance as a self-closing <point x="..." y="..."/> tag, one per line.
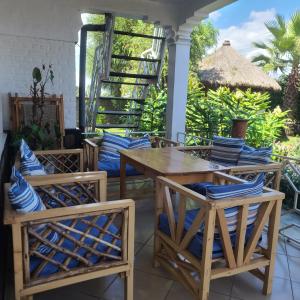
<point x="226" y="67"/>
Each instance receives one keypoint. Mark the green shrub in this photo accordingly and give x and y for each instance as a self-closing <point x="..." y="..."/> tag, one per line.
<point x="211" y="113"/>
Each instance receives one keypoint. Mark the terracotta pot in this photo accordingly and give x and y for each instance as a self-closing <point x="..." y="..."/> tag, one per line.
<point x="239" y="128"/>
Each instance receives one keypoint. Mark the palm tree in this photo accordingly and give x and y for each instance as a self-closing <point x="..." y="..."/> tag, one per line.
<point x="282" y="53"/>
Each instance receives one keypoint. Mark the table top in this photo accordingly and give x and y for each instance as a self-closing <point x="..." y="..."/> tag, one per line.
<point x="170" y="161"/>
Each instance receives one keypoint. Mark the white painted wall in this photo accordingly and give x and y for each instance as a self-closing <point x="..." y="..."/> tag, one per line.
<point x="33" y="32"/>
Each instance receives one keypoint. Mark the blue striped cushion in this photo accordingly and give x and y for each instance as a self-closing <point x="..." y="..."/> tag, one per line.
<point x="30" y="165"/>
<point x="111" y="145"/>
<point x="226" y="151"/>
<point x="140" y="143"/>
<point x="24" y="199"/>
<point x="217" y="192"/>
<point x="252" y="156"/>
<point x="22" y="196"/>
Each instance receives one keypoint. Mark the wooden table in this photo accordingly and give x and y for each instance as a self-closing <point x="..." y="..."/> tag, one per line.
<point x="168" y="162"/>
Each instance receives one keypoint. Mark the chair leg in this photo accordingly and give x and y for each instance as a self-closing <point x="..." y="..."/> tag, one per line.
<point x="129" y="285"/>
<point x="274" y="222"/>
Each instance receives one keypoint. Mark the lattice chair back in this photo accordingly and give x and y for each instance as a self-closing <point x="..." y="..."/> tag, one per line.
<point x="199" y="239"/>
<point x="59" y="161"/>
<point x="79" y="237"/>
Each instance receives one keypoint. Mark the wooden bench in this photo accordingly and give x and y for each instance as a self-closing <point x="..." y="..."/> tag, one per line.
<point x="84" y="202"/>
<point x="195" y="271"/>
<point x="273" y="170"/>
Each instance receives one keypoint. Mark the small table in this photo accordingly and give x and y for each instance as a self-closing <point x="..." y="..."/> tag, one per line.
<point x="168" y="162"/>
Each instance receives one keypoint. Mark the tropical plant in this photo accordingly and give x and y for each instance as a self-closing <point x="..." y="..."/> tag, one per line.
<point x="154" y="115"/>
<point x="282" y="54"/>
<point x="211" y="113"/>
<point x="38" y="133"/>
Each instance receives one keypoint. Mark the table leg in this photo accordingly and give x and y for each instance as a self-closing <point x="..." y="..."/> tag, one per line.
<point x="122" y="177"/>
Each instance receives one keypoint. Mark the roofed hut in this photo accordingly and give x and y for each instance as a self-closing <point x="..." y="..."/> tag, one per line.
<point x="226" y="67"/>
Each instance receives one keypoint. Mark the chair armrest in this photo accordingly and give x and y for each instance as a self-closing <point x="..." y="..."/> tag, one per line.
<point x="91" y="155"/>
<point x="66" y="212"/>
<point x="91" y="188"/>
<point x="161" y="142"/>
<point x="194" y="148"/>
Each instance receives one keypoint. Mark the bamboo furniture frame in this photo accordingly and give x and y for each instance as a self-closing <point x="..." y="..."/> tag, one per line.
<point x="86" y="199"/>
<point x="17" y="112"/>
<point x="171" y="252"/>
<point x="273" y="170"/>
<point x="92" y="149"/>
<point x="60" y="160"/>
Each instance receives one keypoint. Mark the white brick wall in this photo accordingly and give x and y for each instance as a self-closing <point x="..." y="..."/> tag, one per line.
<point x="19" y="55"/>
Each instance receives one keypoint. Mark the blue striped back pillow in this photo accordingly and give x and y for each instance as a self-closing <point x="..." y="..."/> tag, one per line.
<point x="217" y="192"/>
<point x="226" y="151"/>
<point x="140" y="143"/>
<point x="24" y="199"/>
<point x="30" y="165"/>
<point x="252" y="156"/>
<point x="22" y="196"/>
<point x="111" y="145"/>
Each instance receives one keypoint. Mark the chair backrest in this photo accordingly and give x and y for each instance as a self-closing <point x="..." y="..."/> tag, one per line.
<point x="175" y="200"/>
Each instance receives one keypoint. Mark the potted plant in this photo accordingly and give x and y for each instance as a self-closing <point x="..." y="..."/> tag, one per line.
<point x="39" y="134"/>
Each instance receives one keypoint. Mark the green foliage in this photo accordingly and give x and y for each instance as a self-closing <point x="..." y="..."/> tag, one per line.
<point x="154" y="116"/>
<point x="203" y="37"/>
<point x="38" y="134"/>
<point x="266" y="128"/>
<point x="212" y="113"/>
<point x="38" y="138"/>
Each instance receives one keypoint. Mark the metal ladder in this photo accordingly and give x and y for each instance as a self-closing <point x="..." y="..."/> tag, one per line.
<point x="125" y="110"/>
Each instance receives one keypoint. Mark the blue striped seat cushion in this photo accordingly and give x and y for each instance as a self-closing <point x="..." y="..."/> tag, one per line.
<point x="196" y="244"/>
<point x="226" y="151"/>
<point x="140" y="143"/>
<point x="253" y="156"/>
<point x="29" y="164"/>
<point x="111" y="145"/>
<point x="60" y="257"/>
<point x="112" y="168"/>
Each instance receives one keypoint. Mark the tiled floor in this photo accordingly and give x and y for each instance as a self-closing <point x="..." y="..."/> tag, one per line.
<point x="155" y="284"/>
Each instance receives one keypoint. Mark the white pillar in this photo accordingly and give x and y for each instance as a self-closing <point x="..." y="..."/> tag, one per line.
<point x="178" y="71"/>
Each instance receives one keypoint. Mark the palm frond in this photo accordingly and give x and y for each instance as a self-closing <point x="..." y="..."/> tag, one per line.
<point x="277" y="27"/>
<point x="261" y="58"/>
<point x="260" y="45"/>
<point x="294" y="24"/>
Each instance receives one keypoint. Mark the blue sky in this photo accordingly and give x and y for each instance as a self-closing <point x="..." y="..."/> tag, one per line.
<point x="242" y="22"/>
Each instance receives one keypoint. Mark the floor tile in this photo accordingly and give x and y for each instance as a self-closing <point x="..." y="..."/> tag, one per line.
<point x="146" y="287"/>
<point x="281" y="267"/>
<point x="248" y="287"/>
<point x="296" y="290"/>
<point x="138" y="247"/>
<point x="179" y="292"/>
<point x="143" y="262"/>
<point x="280" y="245"/>
<point x="294" y="265"/>
<point x="63" y="294"/>
<point x="222" y="285"/>
<point x="144" y="225"/>
<point x="292" y="249"/>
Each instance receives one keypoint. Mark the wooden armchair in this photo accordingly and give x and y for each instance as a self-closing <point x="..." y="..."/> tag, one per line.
<point x="91" y="149"/>
<point x="95" y="238"/>
<point x="204" y="250"/>
<point x="60" y="160"/>
<point x="272" y="170"/>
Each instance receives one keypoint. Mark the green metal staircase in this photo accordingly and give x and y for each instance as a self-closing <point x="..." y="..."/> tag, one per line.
<point x="105" y="109"/>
